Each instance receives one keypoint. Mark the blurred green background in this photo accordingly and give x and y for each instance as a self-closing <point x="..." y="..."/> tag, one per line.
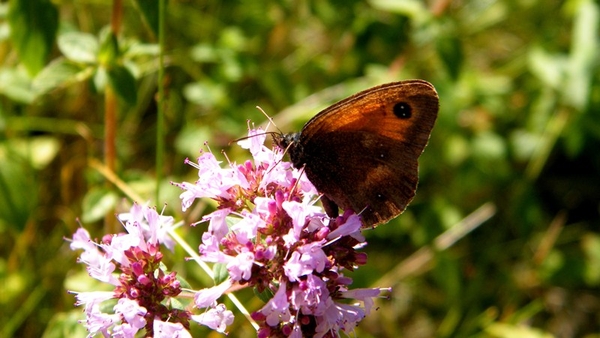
<point x="518" y="134"/>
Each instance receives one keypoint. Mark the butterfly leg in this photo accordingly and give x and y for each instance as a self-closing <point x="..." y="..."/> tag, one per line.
<point x="330" y="207"/>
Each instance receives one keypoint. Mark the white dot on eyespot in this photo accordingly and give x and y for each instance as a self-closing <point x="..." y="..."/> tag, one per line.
<point x="382" y="156"/>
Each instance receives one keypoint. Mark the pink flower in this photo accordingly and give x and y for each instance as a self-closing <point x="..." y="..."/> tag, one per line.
<point x="310" y="295"/>
<point x="90" y="299"/>
<point x="170" y="330"/>
<point x="240" y="267"/>
<point x="218" y="223"/>
<point x="365" y="295"/>
<point x="99" y="322"/>
<point x="81" y="240"/>
<point x="254" y="142"/>
<point x="213" y="181"/>
<point x="247" y="228"/>
<point x="208" y="297"/>
<point x="209" y="249"/>
<point x="350" y="228"/>
<point x="154" y="227"/>
<point x="277" y="310"/>
<point x="131" y="312"/>
<point x="294" y="268"/>
<point x="124" y="330"/>
<point x="216" y="318"/>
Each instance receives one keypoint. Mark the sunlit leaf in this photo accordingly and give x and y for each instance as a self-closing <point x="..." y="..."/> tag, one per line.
<point x="591" y="247"/>
<point x="37" y="151"/>
<point x="78" y="47"/>
<point x="584" y="54"/>
<point x="97" y="203"/>
<point x="550" y="69"/>
<point x="414" y="9"/>
<point x="109" y="49"/>
<point x="16" y="85"/>
<point x="58" y="73"/>
<point x="501" y="330"/>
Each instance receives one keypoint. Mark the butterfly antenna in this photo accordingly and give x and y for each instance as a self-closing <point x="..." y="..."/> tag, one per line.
<point x="251" y="136"/>
<point x="267" y="127"/>
<point x="271" y="121"/>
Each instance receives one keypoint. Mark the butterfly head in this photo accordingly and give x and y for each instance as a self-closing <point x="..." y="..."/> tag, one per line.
<point x="290" y="143"/>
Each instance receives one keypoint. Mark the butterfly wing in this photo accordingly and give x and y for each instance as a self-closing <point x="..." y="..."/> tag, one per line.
<point x="362" y="152"/>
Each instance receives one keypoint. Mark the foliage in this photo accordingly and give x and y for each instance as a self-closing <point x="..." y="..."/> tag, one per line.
<point x="519" y="87"/>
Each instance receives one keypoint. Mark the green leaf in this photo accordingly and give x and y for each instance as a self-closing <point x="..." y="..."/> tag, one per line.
<point x="18" y="186"/>
<point x="96" y="203"/>
<point x="489" y="146"/>
<point x="16" y="85"/>
<point x="502" y="330"/>
<point x="414" y="9"/>
<point x="99" y="80"/>
<point x="584" y="54"/>
<point x="109" y="48"/>
<point x="265" y="295"/>
<point x="549" y="68"/>
<point x="59" y="72"/>
<point x="220" y="273"/>
<point x="205" y="93"/>
<point x="591" y="247"/>
<point x="141" y="49"/>
<point x="204" y="52"/>
<point x="38" y="151"/>
<point x="33" y="25"/>
<point x="123" y="83"/>
<point x="176" y="303"/>
<point x="78" y="47"/>
<point x="66" y="324"/>
<point x="183" y="282"/>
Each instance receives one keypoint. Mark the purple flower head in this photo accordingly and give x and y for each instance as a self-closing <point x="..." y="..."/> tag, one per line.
<point x="270" y="235"/>
<point x="266" y="232"/>
<point x="140" y="285"/>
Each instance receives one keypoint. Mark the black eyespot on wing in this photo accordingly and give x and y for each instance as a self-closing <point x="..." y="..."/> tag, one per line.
<point x="402" y="110"/>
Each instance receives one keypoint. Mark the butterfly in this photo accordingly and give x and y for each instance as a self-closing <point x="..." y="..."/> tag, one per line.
<point x="361" y="153"/>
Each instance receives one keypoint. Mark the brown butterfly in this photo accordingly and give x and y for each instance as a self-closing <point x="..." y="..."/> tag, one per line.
<point x="361" y="153"/>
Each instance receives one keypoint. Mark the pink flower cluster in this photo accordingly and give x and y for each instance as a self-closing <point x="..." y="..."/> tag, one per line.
<point x="131" y="262"/>
<point x="268" y="234"/>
